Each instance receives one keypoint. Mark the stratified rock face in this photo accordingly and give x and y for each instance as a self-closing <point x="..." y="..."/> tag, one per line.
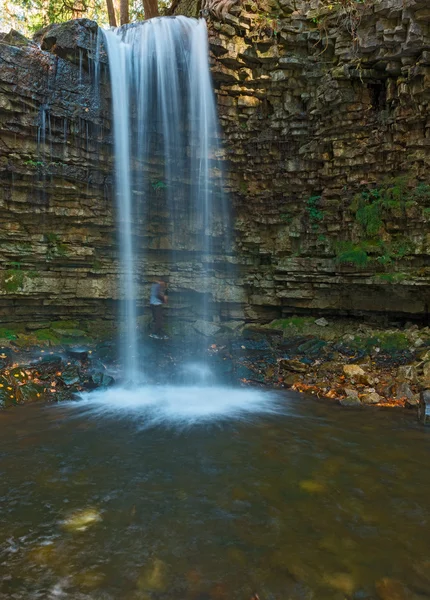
<point x="325" y="114"/>
<point x="56" y="224"/>
<point x="325" y="118"/>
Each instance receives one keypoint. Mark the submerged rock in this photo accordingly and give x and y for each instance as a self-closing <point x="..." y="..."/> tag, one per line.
<point x="82" y="519"/>
<point x="424" y="407"/>
<point x="350" y="401"/>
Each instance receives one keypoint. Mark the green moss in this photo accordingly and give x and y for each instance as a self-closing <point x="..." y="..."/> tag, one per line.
<point x="299" y="323"/>
<point x="65" y="325"/>
<point x="55" y="248"/>
<point x="7" y="334"/>
<point x="13" y="280"/>
<point x="47" y="335"/>
<point x="353" y="254"/>
<point x="315" y="214"/>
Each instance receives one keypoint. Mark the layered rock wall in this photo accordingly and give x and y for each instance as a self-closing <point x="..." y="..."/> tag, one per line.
<point x="324" y="111"/>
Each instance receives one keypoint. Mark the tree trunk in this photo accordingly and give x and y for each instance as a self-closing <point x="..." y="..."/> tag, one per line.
<point x="111" y="13"/>
<point x="124" y="14"/>
<point x="150" y="8"/>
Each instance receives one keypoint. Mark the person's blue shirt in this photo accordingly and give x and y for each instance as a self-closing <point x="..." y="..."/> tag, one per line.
<point x="155" y="294"/>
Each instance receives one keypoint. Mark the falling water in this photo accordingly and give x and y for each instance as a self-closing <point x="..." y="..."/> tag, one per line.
<point x="166" y="147"/>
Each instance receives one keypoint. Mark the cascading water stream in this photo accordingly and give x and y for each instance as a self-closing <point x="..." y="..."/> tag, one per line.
<point x="169" y="193"/>
<point x="166" y="139"/>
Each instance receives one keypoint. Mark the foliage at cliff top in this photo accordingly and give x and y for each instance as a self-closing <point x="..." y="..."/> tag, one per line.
<point x="27" y="16"/>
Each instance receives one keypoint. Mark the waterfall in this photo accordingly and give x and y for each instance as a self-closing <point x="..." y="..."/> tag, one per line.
<point x="166" y="150"/>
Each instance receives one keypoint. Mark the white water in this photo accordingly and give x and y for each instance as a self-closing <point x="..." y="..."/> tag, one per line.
<point x="179" y="406"/>
<point x="164" y="118"/>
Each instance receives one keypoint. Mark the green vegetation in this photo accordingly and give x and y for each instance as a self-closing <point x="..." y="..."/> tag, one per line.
<point x="376" y="251"/>
<point x="13" y="279"/>
<point x="295" y="322"/>
<point x="34" y="163"/>
<point x="158" y="185"/>
<point x="372" y="206"/>
<point x="354" y="254"/>
<point x="392" y="277"/>
<point x="315" y="214"/>
<point x="7" y="334"/>
<point x="55" y="248"/>
<point x="386" y="341"/>
<point x="47" y="335"/>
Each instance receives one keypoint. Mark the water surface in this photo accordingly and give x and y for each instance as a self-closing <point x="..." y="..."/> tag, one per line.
<point x="317" y="502"/>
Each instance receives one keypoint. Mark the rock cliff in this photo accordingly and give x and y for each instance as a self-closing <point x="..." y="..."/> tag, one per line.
<point x="324" y="112"/>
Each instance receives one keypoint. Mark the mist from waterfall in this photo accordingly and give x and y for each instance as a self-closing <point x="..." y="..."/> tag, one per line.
<point x="166" y="148"/>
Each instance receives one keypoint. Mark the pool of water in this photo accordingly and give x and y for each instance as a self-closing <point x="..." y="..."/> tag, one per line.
<point x="298" y="500"/>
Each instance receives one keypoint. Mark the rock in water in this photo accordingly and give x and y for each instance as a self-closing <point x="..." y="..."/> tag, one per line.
<point x="350" y="401"/>
<point x="424" y="407"/>
<point x="81" y="519"/>
<point x="206" y="328"/>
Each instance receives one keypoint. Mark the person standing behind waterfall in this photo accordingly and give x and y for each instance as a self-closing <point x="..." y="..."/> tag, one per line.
<point x="157" y="299"/>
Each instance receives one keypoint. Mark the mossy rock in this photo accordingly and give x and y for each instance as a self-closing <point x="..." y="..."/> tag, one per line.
<point x="7" y="334"/>
<point x="65" y="325"/>
<point x="71" y="333"/>
<point x="7" y="392"/>
<point x="48" y="336"/>
<point x="30" y="392"/>
<point x="24" y="340"/>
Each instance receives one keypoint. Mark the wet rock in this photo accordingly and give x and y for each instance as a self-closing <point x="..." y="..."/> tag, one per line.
<point x="392" y="589"/>
<point x="402" y="390"/>
<point x="30" y="392"/>
<point x="321" y="322"/>
<point x="7" y="393"/>
<point x="50" y="362"/>
<point x="37" y="326"/>
<point x="233" y="325"/>
<point x="78" y="353"/>
<point x="412" y="402"/>
<point x="350" y="393"/>
<point x="407" y="373"/>
<point x="102" y="380"/>
<point x="372" y="398"/>
<point x="70" y="333"/>
<point x="312" y="347"/>
<point x="350" y="402"/>
<point x="356" y="374"/>
<point x="424" y="407"/>
<point x="296" y="366"/>
<point x="6" y="357"/>
<point x="70" y="375"/>
<point x="206" y="328"/>
<point x="250" y="345"/>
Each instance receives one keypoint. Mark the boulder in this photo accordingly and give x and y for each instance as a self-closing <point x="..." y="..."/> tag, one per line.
<point x="286" y="364"/>
<point x="350" y="401"/>
<point x="402" y="390"/>
<point x="321" y="322"/>
<point x="407" y="373"/>
<point x="372" y="398"/>
<point x="356" y="374"/>
<point x="424" y="407"/>
<point x="206" y="328"/>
